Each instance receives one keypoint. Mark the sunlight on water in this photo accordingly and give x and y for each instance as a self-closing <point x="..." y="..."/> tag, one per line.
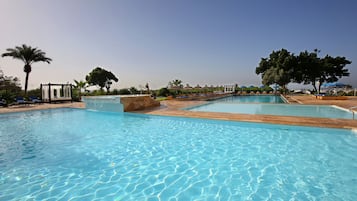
<point x="73" y="154"/>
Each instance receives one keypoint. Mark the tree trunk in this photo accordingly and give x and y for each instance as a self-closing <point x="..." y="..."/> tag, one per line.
<point x="26" y="82"/>
<point x="80" y="93"/>
<point x="314" y="85"/>
<point x="320" y="83"/>
<point x="284" y="89"/>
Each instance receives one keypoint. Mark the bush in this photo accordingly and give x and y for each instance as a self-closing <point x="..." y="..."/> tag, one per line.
<point x="115" y="92"/>
<point x="124" y="92"/>
<point x="34" y="93"/>
<point x="133" y="90"/>
<point x="7" y="95"/>
<point x="163" y="92"/>
<point x="98" y="93"/>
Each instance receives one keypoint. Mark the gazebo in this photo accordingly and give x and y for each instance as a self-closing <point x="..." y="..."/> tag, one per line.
<point x="56" y="92"/>
<point x="229" y="88"/>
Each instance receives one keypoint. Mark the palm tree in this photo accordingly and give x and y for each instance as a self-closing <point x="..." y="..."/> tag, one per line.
<point x="175" y="84"/>
<point x="147" y="88"/>
<point x="80" y="85"/>
<point x="28" y="55"/>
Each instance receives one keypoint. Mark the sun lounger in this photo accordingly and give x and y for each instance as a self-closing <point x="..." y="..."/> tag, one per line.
<point x="3" y="103"/>
<point x="21" y="101"/>
<point x="34" y="99"/>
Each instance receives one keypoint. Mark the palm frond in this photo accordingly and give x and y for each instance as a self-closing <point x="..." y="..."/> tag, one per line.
<point x="27" y="54"/>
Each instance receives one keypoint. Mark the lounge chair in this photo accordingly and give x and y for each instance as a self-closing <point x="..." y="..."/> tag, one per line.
<point x="3" y="103"/>
<point x="34" y="99"/>
<point x="21" y="101"/>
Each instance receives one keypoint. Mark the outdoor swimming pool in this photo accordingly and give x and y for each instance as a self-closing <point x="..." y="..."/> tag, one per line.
<point x="75" y="154"/>
<point x="322" y="111"/>
<point x="252" y="99"/>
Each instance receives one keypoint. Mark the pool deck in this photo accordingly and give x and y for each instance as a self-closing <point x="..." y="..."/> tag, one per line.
<point x="41" y="106"/>
<point x="173" y="108"/>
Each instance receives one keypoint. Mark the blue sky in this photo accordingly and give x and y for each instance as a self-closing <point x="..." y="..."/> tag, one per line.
<point x="156" y="41"/>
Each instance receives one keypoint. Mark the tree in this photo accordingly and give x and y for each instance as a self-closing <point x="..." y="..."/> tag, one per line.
<point x="277" y="69"/>
<point x="133" y="90"/>
<point x="101" y="77"/>
<point x="80" y="85"/>
<point x="282" y="67"/>
<point x="163" y="92"/>
<point x="28" y="55"/>
<point x="108" y="83"/>
<point x="147" y="88"/>
<point x="124" y="92"/>
<point x="314" y="70"/>
<point x="9" y="87"/>
<point x="308" y="68"/>
<point x="9" y="83"/>
<point x="333" y="69"/>
<point x="175" y="84"/>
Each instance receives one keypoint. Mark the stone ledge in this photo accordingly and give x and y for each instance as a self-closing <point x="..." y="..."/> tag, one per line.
<point x="332" y="97"/>
<point x="133" y="103"/>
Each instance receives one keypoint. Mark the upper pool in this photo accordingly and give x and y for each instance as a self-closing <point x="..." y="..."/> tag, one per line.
<point x="76" y="154"/>
<point x="252" y="99"/>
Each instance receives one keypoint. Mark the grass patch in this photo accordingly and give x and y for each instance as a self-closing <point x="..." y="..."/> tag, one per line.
<point x="161" y="98"/>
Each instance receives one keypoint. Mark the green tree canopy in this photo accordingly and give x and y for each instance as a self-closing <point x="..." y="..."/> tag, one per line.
<point x="175" y="84"/>
<point x="80" y="85"/>
<point x="9" y="87"/>
<point x="124" y="92"/>
<point x="28" y="55"/>
<point x="101" y="77"/>
<point x="9" y="83"/>
<point x="314" y="70"/>
<point x="163" y="92"/>
<point x="283" y="67"/>
<point x="133" y="90"/>
<point x="277" y="69"/>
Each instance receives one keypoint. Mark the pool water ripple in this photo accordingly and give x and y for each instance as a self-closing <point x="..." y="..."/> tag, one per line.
<point x="88" y="155"/>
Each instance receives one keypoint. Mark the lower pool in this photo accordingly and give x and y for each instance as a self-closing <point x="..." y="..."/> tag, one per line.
<point x="75" y="154"/>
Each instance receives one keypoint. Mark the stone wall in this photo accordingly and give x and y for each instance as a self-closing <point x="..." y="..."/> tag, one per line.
<point x="132" y="103"/>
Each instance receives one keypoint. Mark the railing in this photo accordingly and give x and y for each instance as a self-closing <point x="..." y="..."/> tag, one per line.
<point x="353" y="112"/>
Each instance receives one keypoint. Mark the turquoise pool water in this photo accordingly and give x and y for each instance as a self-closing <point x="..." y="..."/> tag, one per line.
<point x="322" y="111"/>
<point x="252" y="99"/>
<point x="73" y="154"/>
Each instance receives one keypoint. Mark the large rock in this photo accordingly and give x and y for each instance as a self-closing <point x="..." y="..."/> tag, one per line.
<point x="132" y="103"/>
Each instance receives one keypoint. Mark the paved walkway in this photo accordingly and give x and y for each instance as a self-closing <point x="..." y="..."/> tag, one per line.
<point x="42" y="106"/>
<point x="311" y="100"/>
